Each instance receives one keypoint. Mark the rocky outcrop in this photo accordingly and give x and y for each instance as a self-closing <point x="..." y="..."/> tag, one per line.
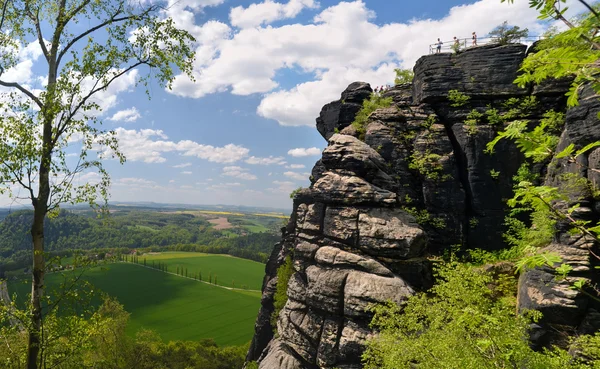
<point x="418" y="182"/>
<point x="338" y="114"/>
<point x="567" y="311"/>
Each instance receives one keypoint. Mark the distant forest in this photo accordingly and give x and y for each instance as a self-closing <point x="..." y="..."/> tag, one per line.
<point x="250" y="237"/>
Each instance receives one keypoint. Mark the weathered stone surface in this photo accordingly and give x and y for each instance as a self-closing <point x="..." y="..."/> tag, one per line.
<point x="300" y="329"/>
<point x="347" y="152"/>
<point x="278" y="355"/>
<point x="310" y="217"/>
<point x="483" y="71"/>
<point x="486" y="194"/>
<point x="558" y="302"/>
<point x="325" y="289"/>
<point x="334" y="257"/>
<point x="341" y="223"/>
<point x="340" y="114"/>
<point x="362" y="289"/>
<point x="334" y="188"/>
<point x="327" y="350"/>
<point x="390" y="233"/>
<point x="351" y="344"/>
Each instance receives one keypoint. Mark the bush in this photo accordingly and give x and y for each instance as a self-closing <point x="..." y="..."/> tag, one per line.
<point x="284" y="272"/>
<point x="369" y="106"/>
<point x="403" y="76"/>
<point x="463" y="322"/>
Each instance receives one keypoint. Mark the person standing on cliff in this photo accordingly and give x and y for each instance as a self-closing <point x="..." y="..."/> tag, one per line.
<point x="439" y="45"/>
<point x="474" y="39"/>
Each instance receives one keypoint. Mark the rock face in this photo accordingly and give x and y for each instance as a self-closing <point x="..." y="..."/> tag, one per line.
<point x="418" y="182"/>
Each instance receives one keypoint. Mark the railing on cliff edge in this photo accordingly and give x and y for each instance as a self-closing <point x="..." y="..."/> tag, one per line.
<point x="467" y="43"/>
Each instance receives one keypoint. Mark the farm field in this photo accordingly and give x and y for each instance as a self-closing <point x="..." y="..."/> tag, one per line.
<point x="230" y="271"/>
<point x="175" y="307"/>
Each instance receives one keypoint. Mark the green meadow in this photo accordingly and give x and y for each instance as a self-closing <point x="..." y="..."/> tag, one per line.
<point x="175" y="307"/>
<point x="230" y="271"/>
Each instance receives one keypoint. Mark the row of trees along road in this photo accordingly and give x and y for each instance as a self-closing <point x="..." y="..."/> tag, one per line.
<point x="36" y="125"/>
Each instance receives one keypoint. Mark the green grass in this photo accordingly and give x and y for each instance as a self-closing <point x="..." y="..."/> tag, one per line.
<point x="229" y="270"/>
<point x="177" y="308"/>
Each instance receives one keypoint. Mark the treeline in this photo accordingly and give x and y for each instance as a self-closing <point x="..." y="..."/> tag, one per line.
<point x="69" y="233"/>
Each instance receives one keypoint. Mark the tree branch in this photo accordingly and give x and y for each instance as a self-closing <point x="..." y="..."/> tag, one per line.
<point x="4" y="7"/>
<point x="35" y="18"/>
<point x="113" y="19"/>
<point x="23" y="90"/>
<point x="94" y="91"/>
<point x="592" y="10"/>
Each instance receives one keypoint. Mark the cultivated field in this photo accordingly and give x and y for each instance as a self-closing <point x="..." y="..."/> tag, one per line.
<point x="230" y="271"/>
<point x="175" y="307"/>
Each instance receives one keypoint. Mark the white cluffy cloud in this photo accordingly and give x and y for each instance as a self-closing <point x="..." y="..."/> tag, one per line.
<point x="302" y="152"/>
<point x="127" y="115"/>
<point x="268" y="12"/>
<point x="342" y="44"/>
<point x="296" y="166"/>
<point x="238" y="172"/>
<point x="183" y="165"/>
<point x="149" y="146"/>
<point x="279" y="160"/>
<point x="297" y="176"/>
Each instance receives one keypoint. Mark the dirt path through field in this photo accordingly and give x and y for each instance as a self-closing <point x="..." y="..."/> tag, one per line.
<point x="220" y="223"/>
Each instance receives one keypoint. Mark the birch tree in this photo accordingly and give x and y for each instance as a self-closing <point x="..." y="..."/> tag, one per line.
<point x="86" y="46"/>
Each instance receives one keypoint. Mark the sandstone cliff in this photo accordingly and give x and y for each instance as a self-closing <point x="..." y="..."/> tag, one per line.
<point x="361" y="233"/>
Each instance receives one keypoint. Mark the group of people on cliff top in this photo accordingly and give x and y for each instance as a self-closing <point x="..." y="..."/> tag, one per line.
<point x="381" y="89"/>
<point x="456" y="45"/>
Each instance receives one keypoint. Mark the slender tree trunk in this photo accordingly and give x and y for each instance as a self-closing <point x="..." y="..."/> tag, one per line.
<point x="37" y="288"/>
<point x="40" y="208"/>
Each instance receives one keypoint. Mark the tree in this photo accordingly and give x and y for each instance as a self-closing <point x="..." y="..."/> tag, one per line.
<point x="572" y="54"/>
<point x="403" y="76"/>
<point x="37" y="126"/>
<point x="505" y="34"/>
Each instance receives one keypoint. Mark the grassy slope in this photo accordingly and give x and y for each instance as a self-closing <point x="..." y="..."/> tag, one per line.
<point x="227" y="268"/>
<point x="175" y="307"/>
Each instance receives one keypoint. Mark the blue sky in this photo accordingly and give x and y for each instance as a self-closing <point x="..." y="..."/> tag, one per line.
<point x="243" y="133"/>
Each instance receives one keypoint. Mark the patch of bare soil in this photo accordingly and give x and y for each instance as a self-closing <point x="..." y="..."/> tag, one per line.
<point x="220" y="223"/>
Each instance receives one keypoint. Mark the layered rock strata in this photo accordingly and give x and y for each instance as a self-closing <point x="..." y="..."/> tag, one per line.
<point x="418" y="181"/>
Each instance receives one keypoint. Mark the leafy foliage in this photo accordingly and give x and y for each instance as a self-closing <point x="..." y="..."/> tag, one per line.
<point x="403" y="76"/>
<point x="569" y="54"/>
<point x="427" y="164"/>
<point x="284" y="273"/>
<point x="505" y="34"/>
<point x="465" y="321"/>
<point x="368" y="107"/>
<point x="457" y="98"/>
<point x="99" y="340"/>
<point x="294" y="192"/>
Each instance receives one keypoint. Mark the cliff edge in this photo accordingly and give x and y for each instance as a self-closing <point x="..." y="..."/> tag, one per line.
<point x="361" y="233"/>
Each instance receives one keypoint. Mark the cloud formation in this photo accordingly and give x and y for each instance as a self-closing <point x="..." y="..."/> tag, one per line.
<point x="342" y="44"/>
<point x="267" y="12"/>
<point x="302" y="152"/>
<point x="127" y="115"/>
<point x="238" y="172"/>
<point x="149" y="146"/>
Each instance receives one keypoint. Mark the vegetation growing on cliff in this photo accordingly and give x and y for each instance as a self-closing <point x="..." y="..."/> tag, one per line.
<point x="403" y="76"/>
<point x="368" y="107"/>
<point x="467" y="320"/>
<point x="284" y="273"/>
